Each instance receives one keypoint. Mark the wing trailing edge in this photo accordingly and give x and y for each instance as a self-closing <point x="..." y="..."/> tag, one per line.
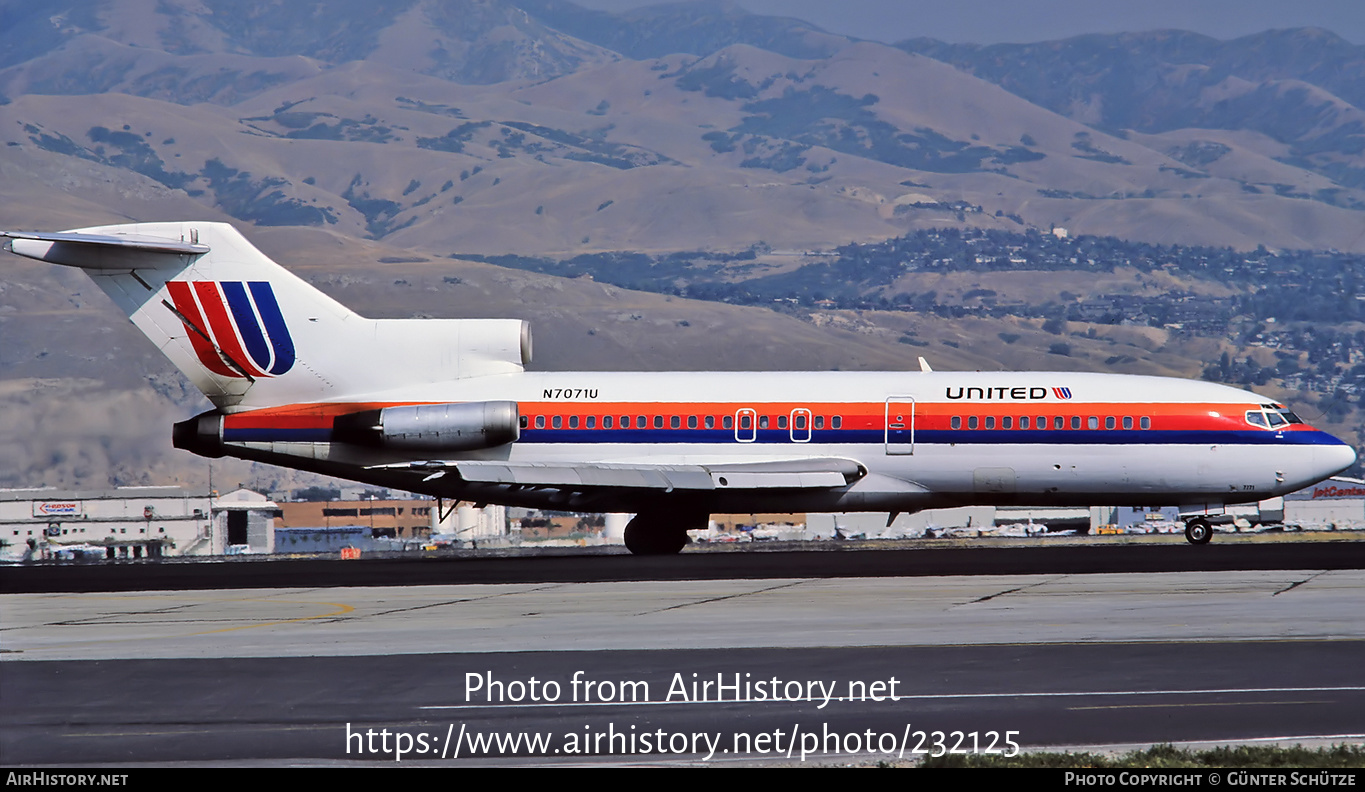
<point x="785" y="474"/>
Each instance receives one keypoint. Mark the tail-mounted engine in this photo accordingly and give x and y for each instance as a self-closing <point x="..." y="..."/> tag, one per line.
<point x="431" y="427"/>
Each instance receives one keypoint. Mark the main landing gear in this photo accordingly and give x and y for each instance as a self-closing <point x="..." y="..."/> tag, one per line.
<point x="1198" y="531"/>
<point x="659" y="533"/>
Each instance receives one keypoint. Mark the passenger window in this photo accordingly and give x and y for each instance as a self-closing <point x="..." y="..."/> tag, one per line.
<point x="710" y="422"/>
<point x="1075" y="422"/>
<point x="606" y="422"/>
<point x="745" y="421"/>
<point x="1058" y="422"/>
<point x="557" y="422"/>
<point x="1007" y="422"/>
<point x="781" y="422"/>
<point x="990" y="421"/>
<point x="674" y="422"/>
<point x="1109" y="422"/>
<point x="691" y="422"/>
<point x="658" y="422"/>
<point x="1146" y="422"/>
<point x="1042" y="422"/>
<point x="524" y="421"/>
<point x="728" y="422"/>
<point x="837" y="422"/>
<point x="540" y="422"/>
<point x="800" y="421"/>
<point x="957" y="422"/>
<point x="1094" y="422"/>
<point x="819" y="422"/>
<point x="1127" y="422"/>
<point x="590" y="422"/>
<point x="762" y="422"/>
<point x="1023" y="422"/>
<point x="573" y="421"/>
<point x="642" y="422"/>
<point x="971" y="422"/>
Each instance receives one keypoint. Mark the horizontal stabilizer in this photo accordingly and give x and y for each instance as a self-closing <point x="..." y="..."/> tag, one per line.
<point x="95" y="251"/>
<point x="784" y="474"/>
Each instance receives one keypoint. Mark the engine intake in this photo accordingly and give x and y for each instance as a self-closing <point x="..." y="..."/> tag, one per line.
<point x="465" y="426"/>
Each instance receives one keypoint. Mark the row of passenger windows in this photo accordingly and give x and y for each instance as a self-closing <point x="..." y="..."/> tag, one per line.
<point x="1057" y="422"/>
<point x="801" y="420"/>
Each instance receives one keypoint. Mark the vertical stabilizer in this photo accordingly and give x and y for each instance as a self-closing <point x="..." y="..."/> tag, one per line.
<point x="249" y="333"/>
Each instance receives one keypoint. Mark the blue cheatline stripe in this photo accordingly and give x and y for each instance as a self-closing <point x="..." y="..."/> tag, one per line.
<point x="935" y="437"/>
<point x="280" y="340"/>
<point x="269" y="435"/>
<point x="247" y="326"/>
<point x="770" y="437"/>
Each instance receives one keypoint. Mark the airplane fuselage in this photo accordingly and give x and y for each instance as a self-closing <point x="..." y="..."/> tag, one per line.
<point x="924" y="440"/>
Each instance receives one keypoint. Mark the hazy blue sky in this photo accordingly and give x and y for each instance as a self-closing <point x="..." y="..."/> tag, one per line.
<point x="991" y="21"/>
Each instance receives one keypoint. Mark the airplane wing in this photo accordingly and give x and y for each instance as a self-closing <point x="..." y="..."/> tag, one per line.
<point x="812" y="473"/>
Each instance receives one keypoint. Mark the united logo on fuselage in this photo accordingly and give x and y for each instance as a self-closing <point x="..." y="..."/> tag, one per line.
<point x="1016" y="393"/>
<point x="236" y="328"/>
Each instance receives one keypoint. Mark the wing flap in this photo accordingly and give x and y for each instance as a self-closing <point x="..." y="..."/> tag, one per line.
<point x="783" y="474"/>
<point x="595" y="475"/>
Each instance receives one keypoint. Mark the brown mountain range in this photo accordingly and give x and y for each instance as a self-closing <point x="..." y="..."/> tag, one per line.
<point x="415" y="129"/>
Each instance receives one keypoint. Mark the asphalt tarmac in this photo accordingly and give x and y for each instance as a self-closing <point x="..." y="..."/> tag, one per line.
<point x="845" y="659"/>
<point x="574" y="565"/>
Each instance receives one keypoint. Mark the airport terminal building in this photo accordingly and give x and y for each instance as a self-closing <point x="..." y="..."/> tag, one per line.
<point x="132" y="522"/>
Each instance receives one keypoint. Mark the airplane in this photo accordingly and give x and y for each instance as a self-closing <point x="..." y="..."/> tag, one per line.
<point x="445" y="407"/>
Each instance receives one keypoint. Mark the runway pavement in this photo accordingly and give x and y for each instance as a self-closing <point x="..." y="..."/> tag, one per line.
<point x="846" y="669"/>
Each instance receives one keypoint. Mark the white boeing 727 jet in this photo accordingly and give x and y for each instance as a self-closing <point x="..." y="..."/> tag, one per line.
<point x="444" y="407"/>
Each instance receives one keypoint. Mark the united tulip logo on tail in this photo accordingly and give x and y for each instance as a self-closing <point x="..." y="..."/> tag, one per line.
<point x="243" y="320"/>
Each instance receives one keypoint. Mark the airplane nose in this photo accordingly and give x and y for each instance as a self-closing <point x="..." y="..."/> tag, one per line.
<point x="1331" y="460"/>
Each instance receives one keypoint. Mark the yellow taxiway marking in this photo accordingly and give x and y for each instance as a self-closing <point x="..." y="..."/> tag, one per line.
<point x="344" y="609"/>
<point x="341" y="611"/>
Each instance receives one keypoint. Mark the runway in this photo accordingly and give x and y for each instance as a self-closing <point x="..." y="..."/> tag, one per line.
<point x="852" y="669"/>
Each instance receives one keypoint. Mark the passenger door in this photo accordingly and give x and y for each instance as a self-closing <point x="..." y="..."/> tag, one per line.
<point x="900" y="425"/>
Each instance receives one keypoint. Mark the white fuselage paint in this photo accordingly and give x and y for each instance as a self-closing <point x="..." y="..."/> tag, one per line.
<point x="1118" y="467"/>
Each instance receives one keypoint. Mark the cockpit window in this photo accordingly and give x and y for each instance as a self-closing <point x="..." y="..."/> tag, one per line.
<point x="1272" y="416"/>
<point x="1284" y="412"/>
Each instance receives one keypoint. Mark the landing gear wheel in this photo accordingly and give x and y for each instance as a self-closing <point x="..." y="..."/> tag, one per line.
<point x="652" y="534"/>
<point x="1198" y="531"/>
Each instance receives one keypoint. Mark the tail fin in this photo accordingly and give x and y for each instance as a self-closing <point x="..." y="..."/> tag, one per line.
<point x="249" y="333"/>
